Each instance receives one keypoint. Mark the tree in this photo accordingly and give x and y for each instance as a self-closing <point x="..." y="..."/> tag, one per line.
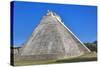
<point x="92" y="46"/>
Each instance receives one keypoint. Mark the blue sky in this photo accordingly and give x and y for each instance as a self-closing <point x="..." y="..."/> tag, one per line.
<point x="81" y="20"/>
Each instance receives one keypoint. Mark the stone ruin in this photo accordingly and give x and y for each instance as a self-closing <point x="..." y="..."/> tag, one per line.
<point x="51" y="40"/>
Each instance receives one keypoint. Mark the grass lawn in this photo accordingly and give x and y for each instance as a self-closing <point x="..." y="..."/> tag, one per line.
<point x="86" y="57"/>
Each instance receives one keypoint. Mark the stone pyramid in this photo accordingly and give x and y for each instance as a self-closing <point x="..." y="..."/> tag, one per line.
<point x="52" y="40"/>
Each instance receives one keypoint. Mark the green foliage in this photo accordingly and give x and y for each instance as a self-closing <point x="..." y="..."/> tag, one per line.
<point x="92" y="46"/>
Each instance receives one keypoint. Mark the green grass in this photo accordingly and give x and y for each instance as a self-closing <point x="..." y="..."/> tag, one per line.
<point x="78" y="59"/>
<point x="17" y="63"/>
<point x="86" y="57"/>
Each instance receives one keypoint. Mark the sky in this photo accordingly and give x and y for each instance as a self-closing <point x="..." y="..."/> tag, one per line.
<point x="80" y="19"/>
